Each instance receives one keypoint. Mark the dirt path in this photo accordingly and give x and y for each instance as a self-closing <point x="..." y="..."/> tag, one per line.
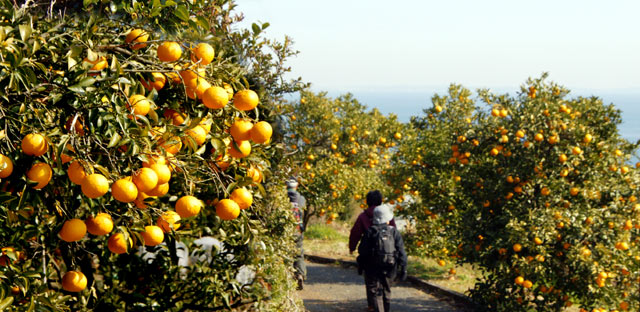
<point x="334" y="288"/>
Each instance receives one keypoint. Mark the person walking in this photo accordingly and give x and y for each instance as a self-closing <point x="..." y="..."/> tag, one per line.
<point x="382" y="257"/>
<point x="364" y="221"/>
<point x="298" y="203"/>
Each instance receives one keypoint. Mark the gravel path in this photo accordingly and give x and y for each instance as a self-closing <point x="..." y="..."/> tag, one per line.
<point x="334" y="288"/>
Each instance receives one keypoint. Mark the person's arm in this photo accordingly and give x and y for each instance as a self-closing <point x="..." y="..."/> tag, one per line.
<point x="355" y="235"/>
<point x="402" y="256"/>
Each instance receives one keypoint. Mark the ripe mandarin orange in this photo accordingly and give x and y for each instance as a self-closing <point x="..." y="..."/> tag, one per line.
<point x="242" y="197"/>
<point x="240" y="129"/>
<point x="34" y="144"/>
<point x="239" y="149"/>
<point x="139" y="104"/>
<point x="74" y="281"/>
<point x="73" y="230"/>
<point x="202" y="53"/>
<point x="95" y="185"/>
<point x="188" y="206"/>
<point x="101" y="224"/>
<point x="118" y="244"/>
<point x="215" y="97"/>
<point x="124" y="190"/>
<point x="227" y="209"/>
<point x="145" y="179"/>
<point x="76" y="172"/>
<point x="169" y="220"/>
<point x="6" y="166"/>
<point x="138" y="36"/>
<point x="261" y="132"/>
<point x="152" y="235"/>
<point x="169" y="51"/>
<point x="245" y="100"/>
<point x="41" y="173"/>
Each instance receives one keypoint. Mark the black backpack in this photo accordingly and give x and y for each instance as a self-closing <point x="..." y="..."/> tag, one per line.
<point x="382" y="241"/>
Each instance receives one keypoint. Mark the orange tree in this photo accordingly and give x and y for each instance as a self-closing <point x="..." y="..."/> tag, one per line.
<point x="338" y="149"/>
<point x="147" y="126"/>
<point x="546" y="204"/>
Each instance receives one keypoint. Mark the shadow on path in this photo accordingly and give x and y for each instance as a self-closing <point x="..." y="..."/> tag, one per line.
<point x="335" y="288"/>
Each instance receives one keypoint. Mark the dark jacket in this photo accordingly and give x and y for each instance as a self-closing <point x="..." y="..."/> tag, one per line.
<point x="298" y="209"/>
<point x="365" y="253"/>
<point x="364" y="221"/>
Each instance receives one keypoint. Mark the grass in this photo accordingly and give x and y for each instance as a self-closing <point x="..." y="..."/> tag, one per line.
<point x="331" y="240"/>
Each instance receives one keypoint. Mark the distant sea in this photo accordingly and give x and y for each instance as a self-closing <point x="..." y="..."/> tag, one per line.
<point x="405" y="104"/>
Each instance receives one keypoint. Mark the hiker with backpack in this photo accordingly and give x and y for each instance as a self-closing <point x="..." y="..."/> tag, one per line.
<point x="382" y="258"/>
<point x="298" y="203"/>
<point x="364" y="221"/>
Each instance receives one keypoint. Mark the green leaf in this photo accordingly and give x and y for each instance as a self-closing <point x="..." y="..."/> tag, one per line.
<point x="256" y="29"/>
<point x="25" y="31"/>
<point x="6" y="302"/>
<point x="114" y="140"/>
<point x="182" y="13"/>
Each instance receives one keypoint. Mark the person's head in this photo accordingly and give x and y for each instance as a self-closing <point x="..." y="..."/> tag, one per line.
<point x="382" y="214"/>
<point x="292" y="183"/>
<point x="374" y="198"/>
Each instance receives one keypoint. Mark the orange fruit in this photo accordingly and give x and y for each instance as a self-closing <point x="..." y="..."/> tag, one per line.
<point x="520" y="134"/>
<point x="242" y="197"/>
<point x="154" y="159"/>
<point x="527" y="284"/>
<point x="245" y="100"/>
<point x="188" y="206"/>
<point x="101" y="224"/>
<point x="261" y="132"/>
<point x="537" y="241"/>
<point x="242" y="150"/>
<point x="198" y="133"/>
<point x="169" y="220"/>
<point x="139" y="202"/>
<point x="74" y="281"/>
<point x="227" y="209"/>
<point x="576" y="150"/>
<point x="177" y="119"/>
<point x="517" y="247"/>
<point x="562" y="158"/>
<point x="519" y="280"/>
<point x="202" y="53"/>
<point x="240" y="129"/>
<point x="73" y="230"/>
<point x="215" y="97"/>
<point x="254" y="174"/>
<point x="124" y="190"/>
<point x="140" y="104"/>
<point x="157" y="82"/>
<point x="197" y="87"/>
<point x="34" y="144"/>
<point x="138" y="36"/>
<point x="545" y="191"/>
<point x="152" y="235"/>
<point x="538" y="137"/>
<point x="169" y="51"/>
<point x="171" y="146"/>
<point x="76" y="172"/>
<point x="78" y="128"/>
<point x="145" y="179"/>
<point x="99" y="63"/>
<point x="6" y="166"/>
<point x="95" y="185"/>
<point x="41" y="173"/>
<point x="159" y="191"/>
<point x="118" y="244"/>
<point x="587" y="138"/>
<point x="162" y="172"/>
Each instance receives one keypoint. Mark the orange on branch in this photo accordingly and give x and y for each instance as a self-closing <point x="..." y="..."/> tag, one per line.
<point x="245" y="100"/>
<point x="169" y="51"/>
<point x="101" y="224"/>
<point x="34" y="144"/>
<point x="188" y="206"/>
<point x="41" y="173"/>
<point x="242" y="197"/>
<point x="95" y="185"/>
<point x="73" y="230"/>
<point x="227" y="209"/>
<point x="124" y="190"/>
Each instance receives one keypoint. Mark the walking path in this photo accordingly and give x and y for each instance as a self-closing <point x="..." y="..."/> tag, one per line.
<point x="335" y="288"/>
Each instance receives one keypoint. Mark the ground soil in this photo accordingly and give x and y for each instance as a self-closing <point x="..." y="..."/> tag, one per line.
<point x="337" y="288"/>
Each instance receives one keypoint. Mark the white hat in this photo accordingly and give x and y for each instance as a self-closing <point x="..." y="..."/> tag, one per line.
<point x="291" y="183"/>
<point x="382" y="214"/>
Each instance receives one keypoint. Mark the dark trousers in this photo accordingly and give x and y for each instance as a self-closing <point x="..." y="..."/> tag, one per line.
<point x="299" y="264"/>
<point x="378" y="291"/>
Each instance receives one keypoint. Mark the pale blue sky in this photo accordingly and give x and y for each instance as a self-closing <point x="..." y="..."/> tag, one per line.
<point x="361" y="45"/>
